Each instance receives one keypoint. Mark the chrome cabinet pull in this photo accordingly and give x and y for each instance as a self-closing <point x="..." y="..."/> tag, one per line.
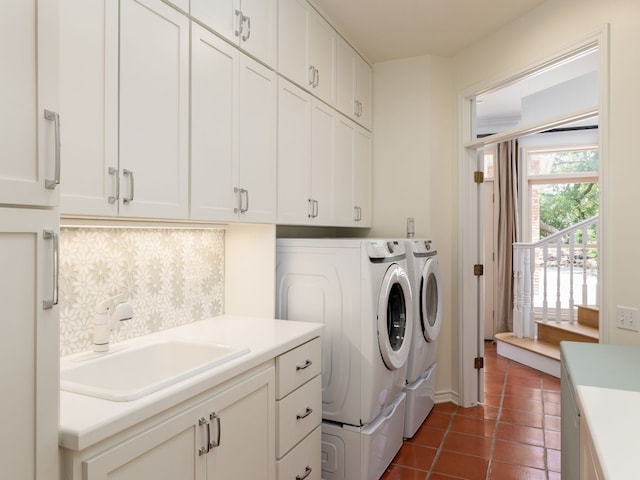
<point x="114" y="198"/>
<point x="129" y="199"/>
<point x="55" y="118"/>
<point x="312" y="75"/>
<point x="246" y="37"/>
<point x="240" y="18"/>
<point x="51" y="235"/>
<point x="239" y="192"/>
<point x="307" y="363"/>
<point x="215" y="443"/>
<point x="307" y="472"/>
<point x="310" y="207"/>
<point x="244" y="195"/>
<point x="317" y="79"/>
<point x="315" y="209"/>
<point x="308" y="411"/>
<point x="205" y="450"/>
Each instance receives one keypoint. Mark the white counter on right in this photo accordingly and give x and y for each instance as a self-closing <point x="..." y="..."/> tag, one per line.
<point x="611" y="418"/>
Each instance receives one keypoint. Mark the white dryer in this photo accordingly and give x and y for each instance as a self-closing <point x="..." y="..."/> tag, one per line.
<point x="426" y="283"/>
<point x="361" y="291"/>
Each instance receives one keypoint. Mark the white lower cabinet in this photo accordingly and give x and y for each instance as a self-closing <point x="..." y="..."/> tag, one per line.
<point x="29" y="356"/>
<point x="229" y="435"/>
<point x="299" y="412"/>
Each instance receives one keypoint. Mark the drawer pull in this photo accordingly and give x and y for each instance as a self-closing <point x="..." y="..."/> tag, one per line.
<point x="215" y="443"/>
<point x="307" y="472"/>
<point x="307" y="363"/>
<point x="306" y="413"/>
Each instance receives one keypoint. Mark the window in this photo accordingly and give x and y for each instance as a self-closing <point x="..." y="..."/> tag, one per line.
<point x="563" y="188"/>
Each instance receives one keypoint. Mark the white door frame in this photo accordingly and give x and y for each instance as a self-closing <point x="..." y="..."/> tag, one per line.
<point x="470" y="321"/>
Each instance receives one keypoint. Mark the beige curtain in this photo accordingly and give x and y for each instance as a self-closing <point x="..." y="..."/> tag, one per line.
<point x="506" y="176"/>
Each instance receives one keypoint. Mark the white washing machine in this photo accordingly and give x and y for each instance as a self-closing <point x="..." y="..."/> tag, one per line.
<point x="360" y="290"/>
<point x="426" y="284"/>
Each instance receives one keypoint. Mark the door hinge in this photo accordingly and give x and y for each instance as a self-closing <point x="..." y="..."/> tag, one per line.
<point x="478" y="363"/>
<point x="478" y="177"/>
<point x="478" y="270"/>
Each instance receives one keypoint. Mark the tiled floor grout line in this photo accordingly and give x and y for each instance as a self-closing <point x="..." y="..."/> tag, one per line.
<point x="498" y="416"/>
<point x="441" y="445"/>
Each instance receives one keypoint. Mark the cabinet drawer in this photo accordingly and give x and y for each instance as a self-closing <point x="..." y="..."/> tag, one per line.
<point x="298" y="414"/>
<point x="303" y="460"/>
<point x="297" y="367"/>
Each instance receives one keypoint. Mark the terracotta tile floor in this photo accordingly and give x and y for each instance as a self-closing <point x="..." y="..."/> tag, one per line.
<point x="514" y="435"/>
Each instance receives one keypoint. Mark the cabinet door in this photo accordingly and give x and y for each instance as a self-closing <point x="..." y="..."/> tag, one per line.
<point x="154" y="110"/>
<point x="322" y="58"/>
<point x="292" y="41"/>
<point x="221" y="16"/>
<point x="345" y="81"/>
<point x="259" y="32"/>
<point x="89" y="105"/>
<point x="257" y="142"/>
<point x="322" y="151"/>
<point x="243" y="430"/>
<point x="294" y="154"/>
<point x="362" y="177"/>
<point x="214" y="110"/>
<point x="363" y="86"/>
<point x="29" y="358"/>
<point x="29" y="147"/>
<point x="168" y="450"/>
<point x="343" y="165"/>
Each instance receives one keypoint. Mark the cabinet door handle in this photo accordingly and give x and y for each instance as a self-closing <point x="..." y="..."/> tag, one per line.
<point x="244" y="194"/>
<point x="315" y="208"/>
<point x="248" y="19"/>
<point x="240" y="19"/>
<point x="114" y="198"/>
<point x="308" y="411"/>
<point x="51" y="235"/>
<point x="238" y="193"/>
<point x="205" y="450"/>
<point x="310" y="208"/>
<point x="307" y="472"/>
<point x="129" y="199"/>
<point x="55" y="118"/>
<point x="312" y="75"/>
<point x="215" y="443"/>
<point x="307" y="363"/>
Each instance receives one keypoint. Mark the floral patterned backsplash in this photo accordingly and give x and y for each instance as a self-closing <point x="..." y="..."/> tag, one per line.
<point x="170" y="276"/>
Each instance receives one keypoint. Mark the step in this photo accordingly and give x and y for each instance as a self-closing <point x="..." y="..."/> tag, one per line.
<point x="589" y="315"/>
<point x="554" y="333"/>
<point x="531" y="352"/>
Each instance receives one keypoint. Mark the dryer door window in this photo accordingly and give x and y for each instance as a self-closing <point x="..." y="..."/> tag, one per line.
<point x="431" y="300"/>
<point x="395" y="317"/>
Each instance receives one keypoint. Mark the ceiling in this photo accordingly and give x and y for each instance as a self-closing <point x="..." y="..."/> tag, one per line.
<point x="385" y="30"/>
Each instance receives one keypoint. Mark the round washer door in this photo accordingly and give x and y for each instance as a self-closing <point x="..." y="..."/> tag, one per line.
<point x="395" y="317"/>
<point x="431" y="300"/>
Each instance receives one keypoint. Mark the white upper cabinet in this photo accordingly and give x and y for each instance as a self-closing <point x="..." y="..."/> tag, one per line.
<point x="154" y="110"/>
<point x="30" y="167"/>
<point x="125" y="88"/>
<point x="233" y="139"/>
<point x="307" y="49"/>
<point x="354" y="84"/>
<point x="250" y="24"/>
<point x="305" y="156"/>
<point x="89" y="105"/>
<point x="352" y="175"/>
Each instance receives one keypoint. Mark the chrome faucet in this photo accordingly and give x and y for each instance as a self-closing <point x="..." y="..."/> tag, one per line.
<point x="103" y="324"/>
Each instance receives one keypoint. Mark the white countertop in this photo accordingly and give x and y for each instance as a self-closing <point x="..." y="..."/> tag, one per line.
<point x="86" y="420"/>
<point x="612" y="418"/>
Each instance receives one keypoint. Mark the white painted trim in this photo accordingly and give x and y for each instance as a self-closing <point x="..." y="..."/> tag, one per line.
<point x="529" y="358"/>
<point x="448" y="396"/>
<point x="467" y="208"/>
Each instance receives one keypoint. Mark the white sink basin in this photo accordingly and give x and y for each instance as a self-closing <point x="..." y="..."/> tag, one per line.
<point x="137" y="371"/>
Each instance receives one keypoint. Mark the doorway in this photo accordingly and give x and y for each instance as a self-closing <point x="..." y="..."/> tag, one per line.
<point x="473" y="244"/>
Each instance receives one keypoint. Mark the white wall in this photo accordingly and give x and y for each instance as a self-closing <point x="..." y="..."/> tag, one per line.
<point x="414" y="171"/>
<point x="416" y="129"/>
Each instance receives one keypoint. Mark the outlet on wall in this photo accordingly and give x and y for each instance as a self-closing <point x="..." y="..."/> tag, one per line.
<point x="627" y="318"/>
